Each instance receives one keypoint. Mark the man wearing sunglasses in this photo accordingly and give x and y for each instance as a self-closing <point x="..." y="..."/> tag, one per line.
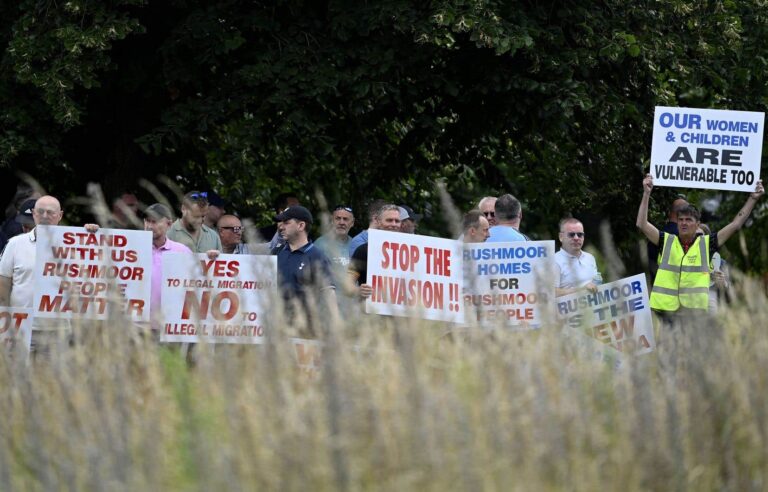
<point x="231" y="235"/>
<point x="575" y="269"/>
<point x="189" y="230"/>
<point x="487" y="207"/>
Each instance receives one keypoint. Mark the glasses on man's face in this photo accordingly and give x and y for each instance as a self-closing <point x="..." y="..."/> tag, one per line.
<point x="46" y="213"/>
<point x="574" y="234"/>
<point x="343" y="207"/>
<point x="235" y="229"/>
<point x="489" y="214"/>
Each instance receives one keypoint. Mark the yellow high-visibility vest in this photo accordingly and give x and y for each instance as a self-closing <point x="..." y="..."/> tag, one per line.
<point x="682" y="278"/>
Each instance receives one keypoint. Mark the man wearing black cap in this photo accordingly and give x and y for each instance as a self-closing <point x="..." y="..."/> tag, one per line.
<point x="301" y="267"/>
<point x="216" y="209"/>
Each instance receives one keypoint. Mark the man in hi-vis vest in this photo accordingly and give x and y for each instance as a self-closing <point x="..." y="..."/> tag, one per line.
<point x="682" y="281"/>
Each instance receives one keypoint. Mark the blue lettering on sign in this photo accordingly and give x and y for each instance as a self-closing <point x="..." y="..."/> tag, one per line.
<point x="513" y="253"/>
<point x="503" y="268"/>
<point x="732" y="126"/>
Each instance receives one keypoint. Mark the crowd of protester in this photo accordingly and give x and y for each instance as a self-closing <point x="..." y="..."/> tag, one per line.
<point x="689" y="275"/>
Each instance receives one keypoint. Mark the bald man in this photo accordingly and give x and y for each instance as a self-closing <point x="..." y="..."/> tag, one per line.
<point x="17" y="285"/>
<point x="17" y="262"/>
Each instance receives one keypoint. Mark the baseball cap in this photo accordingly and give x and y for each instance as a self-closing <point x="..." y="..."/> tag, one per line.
<point x="158" y="210"/>
<point x="25" y="212"/>
<point x="406" y="212"/>
<point x="215" y="199"/>
<point x="296" y="212"/>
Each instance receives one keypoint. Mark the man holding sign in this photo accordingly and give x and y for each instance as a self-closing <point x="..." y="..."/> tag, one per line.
<point x="682" y="281"/>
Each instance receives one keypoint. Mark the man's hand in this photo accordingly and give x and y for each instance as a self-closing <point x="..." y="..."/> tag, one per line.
<point x="366" y="290"/>
<point x="759" y="190"/>
<point x="91" y="227"/>
<point x="213" y="254"/>
<point x="591" y="287"/>
<point x="648" y="183"/>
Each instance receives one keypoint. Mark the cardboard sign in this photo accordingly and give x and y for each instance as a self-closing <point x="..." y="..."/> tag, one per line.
<point x="706" y="148"/>
<point x="308" y="355"/>
<point x="92" y="275"/>
<point x="15" y="327"/>
<point x="414" y="275"/>
<point x="509" y="284"/>
<point x="221" y="301"/>
<point x="618" y="315"/>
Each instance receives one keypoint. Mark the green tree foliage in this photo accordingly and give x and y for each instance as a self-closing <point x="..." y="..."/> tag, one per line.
<point x="548" y="100"/>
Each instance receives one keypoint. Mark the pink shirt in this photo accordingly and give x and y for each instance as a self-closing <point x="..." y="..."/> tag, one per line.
<point x="155" y="312"/>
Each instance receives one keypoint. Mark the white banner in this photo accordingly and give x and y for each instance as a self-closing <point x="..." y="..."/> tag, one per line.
<point x="706" y="148"/>
<point x="220" y="301"/>
<point x="92" y="275"/>
<point x="15" y="327"/>
<point x="413" y="275"/>
<point x="618" y="315"/>
<point x="510" y="284"/>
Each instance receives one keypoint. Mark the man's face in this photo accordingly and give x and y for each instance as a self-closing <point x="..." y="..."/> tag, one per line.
<point x="572" y="237"/>
<point x="214" y="213"/>
<point x="488" y="210"/>
<point x="687" y="225"/>
<point x="291" y="229"/>
<point x="408" y="226"/>
<point x="389" y="221"/>
<point x="342" y="222"/>
<point x="129" y="201"/>
<point x="678" y="204"/>
<point x="192" y="216"/>
<point x="478" y="234"/>
<point x="230" y="231"/>
<point x="158" y="225"/>
<point x="47" y="211"/>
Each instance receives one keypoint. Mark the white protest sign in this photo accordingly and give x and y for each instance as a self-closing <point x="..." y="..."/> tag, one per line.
<point x="15" y="327"/>
<point x="618" y="315"/>
<point x="220" y="301"/>
<point x="416" y="276"/>
<point x="308" y="355"/>
<point x="509" y="284"/>
<point x="92" y="275"/>
<point x="706" y="148"/>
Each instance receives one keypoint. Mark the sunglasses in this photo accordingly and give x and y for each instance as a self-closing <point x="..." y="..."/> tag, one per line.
<point x="343" y="207"/>
<point x="489" y="214"/>
<point x="235" y="229"/>
<point x="197" y="196"/>
<point x="574" y="234"/>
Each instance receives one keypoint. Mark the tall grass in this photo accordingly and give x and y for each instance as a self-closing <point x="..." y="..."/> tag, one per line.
<point x="398" y="405"/>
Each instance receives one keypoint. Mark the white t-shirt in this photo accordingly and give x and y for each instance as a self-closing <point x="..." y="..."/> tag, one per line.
<point x="575" y="271"/>
<point x="18" y="263"/>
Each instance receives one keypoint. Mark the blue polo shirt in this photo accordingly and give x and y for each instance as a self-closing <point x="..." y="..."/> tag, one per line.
<point x="504" y="234"/>
<point x="302" y="270"/>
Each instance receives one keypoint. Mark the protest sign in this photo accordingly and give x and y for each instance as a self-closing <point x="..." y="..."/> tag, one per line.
<point x="308" y="355"/>
<point x="618" y="315"/>
<point x="706" y="148"/>
<point x="509" y="284"/>
<point x="15" y="327"/>
<point x="220" y="301"/>
<point x="92" y="275"/>
<point x="413" y="275"/>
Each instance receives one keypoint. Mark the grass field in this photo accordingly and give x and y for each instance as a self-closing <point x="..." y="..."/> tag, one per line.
<point x="398" y="405"/>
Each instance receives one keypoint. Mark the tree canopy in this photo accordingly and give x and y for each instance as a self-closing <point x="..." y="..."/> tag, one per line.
<point x="551" y="101"/>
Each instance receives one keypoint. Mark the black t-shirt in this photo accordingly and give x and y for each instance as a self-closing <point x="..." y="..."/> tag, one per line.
<point x="358" y="263"/>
